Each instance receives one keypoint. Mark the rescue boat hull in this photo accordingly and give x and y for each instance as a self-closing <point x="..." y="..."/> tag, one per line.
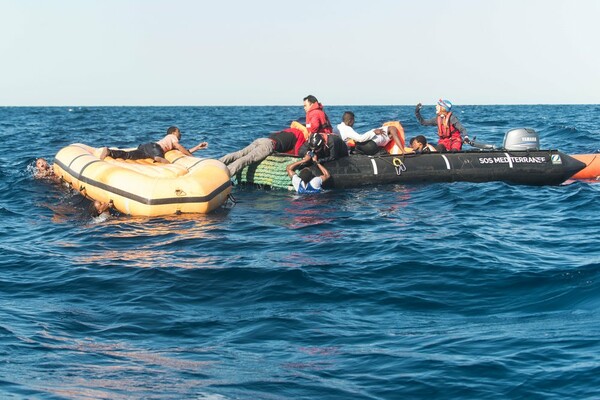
<point x="539" y="167"/>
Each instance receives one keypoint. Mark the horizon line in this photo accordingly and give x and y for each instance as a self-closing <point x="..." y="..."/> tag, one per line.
<point x="289" y="105"/>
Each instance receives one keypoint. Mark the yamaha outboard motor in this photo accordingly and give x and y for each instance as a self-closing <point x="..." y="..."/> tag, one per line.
<point x="521" y="139"/>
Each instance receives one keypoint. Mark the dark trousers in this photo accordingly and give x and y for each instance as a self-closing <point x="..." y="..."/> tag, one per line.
<point x="369" y="148"/>
<point x="146" y="150"/>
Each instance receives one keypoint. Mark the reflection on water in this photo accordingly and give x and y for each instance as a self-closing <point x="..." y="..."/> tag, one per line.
<point x="120" y="370"/>
<point x="154" y="242"/>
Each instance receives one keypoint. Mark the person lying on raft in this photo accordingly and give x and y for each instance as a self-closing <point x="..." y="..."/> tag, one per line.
<point x="43" y="170"/>
<point x="306" y="181"/>
<point x="154" y="150"/>
<point x="371" y="142"/>
<point x="419" y="145"/>
<point x="287" y="141"/>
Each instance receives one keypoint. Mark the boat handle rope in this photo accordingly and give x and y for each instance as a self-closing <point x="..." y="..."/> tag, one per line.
<point x="399" y="164"/>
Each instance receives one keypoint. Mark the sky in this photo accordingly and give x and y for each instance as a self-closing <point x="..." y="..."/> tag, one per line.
<point x="275" y="52"/>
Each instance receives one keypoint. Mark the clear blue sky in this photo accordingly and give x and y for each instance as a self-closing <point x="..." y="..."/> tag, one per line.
<point x="263" y="52"/>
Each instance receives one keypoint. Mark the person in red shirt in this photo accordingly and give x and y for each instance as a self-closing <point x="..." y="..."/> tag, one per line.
<point x="288" y="141"/>
<point x="316" y="119"/>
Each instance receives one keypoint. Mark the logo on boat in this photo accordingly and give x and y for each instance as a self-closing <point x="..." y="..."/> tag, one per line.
<point x="514" y="160"/>
<point x="556" y="159"/>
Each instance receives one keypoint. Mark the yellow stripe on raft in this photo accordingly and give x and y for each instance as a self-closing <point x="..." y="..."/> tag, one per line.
<point x="142" y="187"/>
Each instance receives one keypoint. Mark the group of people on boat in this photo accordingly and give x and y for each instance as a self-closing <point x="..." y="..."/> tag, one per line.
<point x="316" y="142"/>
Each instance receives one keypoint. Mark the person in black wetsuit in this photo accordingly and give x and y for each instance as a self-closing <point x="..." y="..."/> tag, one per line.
<point x="326" y="147"/>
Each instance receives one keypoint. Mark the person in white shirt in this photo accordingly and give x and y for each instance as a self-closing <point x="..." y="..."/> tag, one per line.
<point x="347" y="132"/>
<point x="369" y="143"/>
<point x="305" y="181"/>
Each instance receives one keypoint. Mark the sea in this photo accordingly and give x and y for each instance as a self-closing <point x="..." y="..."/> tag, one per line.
<point x="443" y="290"/>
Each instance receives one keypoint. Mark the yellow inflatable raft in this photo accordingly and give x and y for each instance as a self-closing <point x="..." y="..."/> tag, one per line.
<point x="142" y="187"/>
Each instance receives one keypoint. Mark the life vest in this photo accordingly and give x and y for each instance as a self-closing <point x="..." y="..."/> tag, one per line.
<point x="445" y="128"/>
<point x="391" y="147"/>
<point x="326" y="126"/>
<point x="299" y="126"/>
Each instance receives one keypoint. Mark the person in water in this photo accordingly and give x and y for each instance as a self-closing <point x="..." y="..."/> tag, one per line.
<point x="450" y="130"/>
<point x="305" y="181"/>
<point x="419" y="145"/>
<point x="316" y="119"/>
<point x="371" y="142"/>
<point x="154" y="150"/>
<point x="287" y="141"/>
<point x="43" y="170"/>
<point x="99" y="208"/>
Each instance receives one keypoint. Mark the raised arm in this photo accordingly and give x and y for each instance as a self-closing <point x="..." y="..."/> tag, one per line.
<point x="325" y="173"/>
<point x="422" y="121"/>
<point x="291" y="168"/>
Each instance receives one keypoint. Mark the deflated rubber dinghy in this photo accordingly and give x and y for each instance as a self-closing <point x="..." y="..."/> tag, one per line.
<point x="143" y="187"/>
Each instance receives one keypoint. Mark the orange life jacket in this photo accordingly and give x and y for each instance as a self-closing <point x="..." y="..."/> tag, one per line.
<point x="445" y="129"/>
<point x="391" y="147"/>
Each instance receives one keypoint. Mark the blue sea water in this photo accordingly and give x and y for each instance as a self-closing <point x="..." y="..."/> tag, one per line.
<point x="448" y="290"/>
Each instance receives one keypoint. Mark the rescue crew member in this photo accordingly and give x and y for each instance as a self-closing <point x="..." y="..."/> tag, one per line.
<point x="450" y="130"/>
<point x="316" y="119"/>
<point x="287" y="141"/>
<point x="326" y="147"/>
<point x="306" y="181"/>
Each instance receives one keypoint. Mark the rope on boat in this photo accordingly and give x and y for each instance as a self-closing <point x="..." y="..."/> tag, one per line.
<point x="269" y="172"/>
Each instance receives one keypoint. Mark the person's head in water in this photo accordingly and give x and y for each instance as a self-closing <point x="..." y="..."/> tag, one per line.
<point x="42" y="168"/>
<point x="306" y="175"/>
<point x="99" y="207"/>
<point x="42" y="165"/>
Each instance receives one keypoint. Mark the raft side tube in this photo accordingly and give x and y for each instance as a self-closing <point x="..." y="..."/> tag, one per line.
<point x="197" y="186"/>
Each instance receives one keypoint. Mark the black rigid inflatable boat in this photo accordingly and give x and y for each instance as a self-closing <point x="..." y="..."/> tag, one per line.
<point x="519" y="161"/>
<point x="539" y="167"/>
